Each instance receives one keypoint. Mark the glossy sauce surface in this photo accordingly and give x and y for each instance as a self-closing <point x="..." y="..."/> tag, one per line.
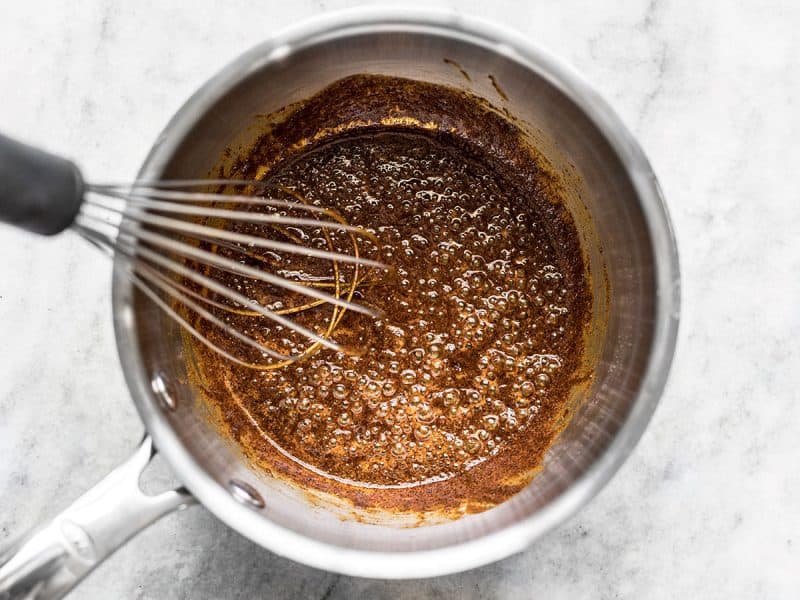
<point x="479" y="345"/>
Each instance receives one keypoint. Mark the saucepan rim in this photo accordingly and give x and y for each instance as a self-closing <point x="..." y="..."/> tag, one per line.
<point x="518" y="535"/>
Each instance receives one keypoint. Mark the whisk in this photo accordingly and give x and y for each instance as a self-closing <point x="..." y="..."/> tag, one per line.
<point x="168" y="236"/>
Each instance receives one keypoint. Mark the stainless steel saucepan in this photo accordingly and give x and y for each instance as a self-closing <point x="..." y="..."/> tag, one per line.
<point x="627" y="234"/>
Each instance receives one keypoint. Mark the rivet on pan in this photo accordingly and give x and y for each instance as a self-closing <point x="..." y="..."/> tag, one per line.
<point x="245" y="493"/>
<point x="163" y="391"/>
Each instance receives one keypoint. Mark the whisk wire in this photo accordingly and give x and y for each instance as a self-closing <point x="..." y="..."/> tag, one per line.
<point x="231" y="266"/>
<point x="205" y="233"/>
<point x="229" y="214"/>
<point x="169" y="288"/>
<point x="119" y="219"/>
<point x="105" y="243"/>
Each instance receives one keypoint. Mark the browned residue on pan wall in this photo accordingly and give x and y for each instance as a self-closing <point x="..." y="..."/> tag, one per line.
<point x="500" y="91"/>
<point x="461" y="69"/>
<point x="467" y="378"/>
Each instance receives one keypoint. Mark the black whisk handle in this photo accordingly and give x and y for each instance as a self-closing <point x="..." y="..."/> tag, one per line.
<point x="39" y="191"/>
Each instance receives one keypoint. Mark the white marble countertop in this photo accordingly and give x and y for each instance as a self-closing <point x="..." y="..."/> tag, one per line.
<point x="708" y="506"/>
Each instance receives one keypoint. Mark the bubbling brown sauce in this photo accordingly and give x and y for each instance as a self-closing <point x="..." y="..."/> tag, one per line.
<point x="467" y="374"/>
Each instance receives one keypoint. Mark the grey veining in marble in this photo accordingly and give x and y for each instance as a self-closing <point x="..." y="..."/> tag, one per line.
<point x="709" y="504"/>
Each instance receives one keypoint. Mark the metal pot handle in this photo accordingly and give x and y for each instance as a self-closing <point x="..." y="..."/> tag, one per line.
<point x="51" y="559"/>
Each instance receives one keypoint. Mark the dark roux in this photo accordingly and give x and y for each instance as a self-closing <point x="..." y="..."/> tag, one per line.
<point x="466" y="377"/>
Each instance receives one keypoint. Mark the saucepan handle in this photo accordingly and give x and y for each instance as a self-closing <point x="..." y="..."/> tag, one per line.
<point x="51" y="559"/>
